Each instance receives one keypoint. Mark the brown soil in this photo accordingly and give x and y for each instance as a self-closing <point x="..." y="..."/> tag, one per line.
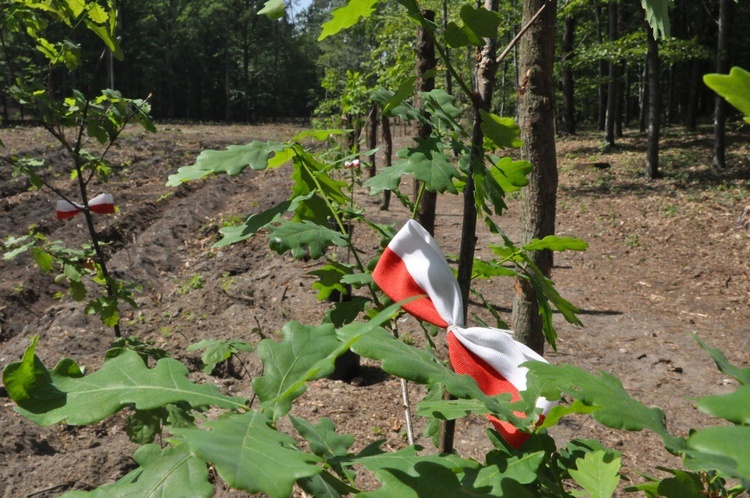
<point x="666" y="258"/>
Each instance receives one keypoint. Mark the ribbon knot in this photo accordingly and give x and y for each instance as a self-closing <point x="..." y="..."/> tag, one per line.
<point x="413" y="264"/>
<point x="101" y="204"/>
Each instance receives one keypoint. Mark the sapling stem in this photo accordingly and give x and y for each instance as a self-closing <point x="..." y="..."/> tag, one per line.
<point x="407" y="411"/>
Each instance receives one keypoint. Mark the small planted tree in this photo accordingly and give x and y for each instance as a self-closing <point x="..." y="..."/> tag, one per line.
<point x="74" y="118"/>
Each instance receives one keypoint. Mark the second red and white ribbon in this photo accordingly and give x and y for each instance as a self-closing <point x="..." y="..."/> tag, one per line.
<point x="413" y="264"/>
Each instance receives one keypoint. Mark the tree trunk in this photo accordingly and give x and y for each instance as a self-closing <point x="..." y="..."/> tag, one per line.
<point x="691" y="117"/>
<point x="568" y="95"/>
<point x="385" y="126"/>
<point x="372" y="136"/>
<point x="602" y="89"/>
<point x="448" y="77"/>
<point x="426" y="61"/>
<point x="643" y="98"/>
<point x="486" y="72"/>
<point x="720" y="106"/>
<point x="654" y="107"/>
<point x="537" y="122"/>
<point x="611" y="116"/>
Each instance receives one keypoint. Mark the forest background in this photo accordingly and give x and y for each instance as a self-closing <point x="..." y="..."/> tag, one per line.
<point x="220" y="61"/>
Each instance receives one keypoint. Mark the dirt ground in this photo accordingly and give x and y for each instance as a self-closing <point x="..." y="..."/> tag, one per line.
<point x="666" y="258"/>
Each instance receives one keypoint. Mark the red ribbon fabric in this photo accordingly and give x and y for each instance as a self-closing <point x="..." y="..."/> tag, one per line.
<point x="413" y="264"/>
<point x="101" y="204"/>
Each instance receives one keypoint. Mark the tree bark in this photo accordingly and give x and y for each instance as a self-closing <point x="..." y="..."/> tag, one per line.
<point x="602" y="88"/>
<point x="385" y="126"/>
<point x="568" y="95"/>
<point x="720" y="106"/>
<point x="372" y="137"/>
<point x="654" y="108"/>
<point x="611" y="116"/>
<point x="426" y="61"/>
<point x="486" y="58"/>
<point x="537" y="122"/>
<point x="643" y="99"/>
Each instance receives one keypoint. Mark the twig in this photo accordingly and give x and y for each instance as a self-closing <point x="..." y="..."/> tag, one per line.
<point x="49" y="488"/>
<point x="520" y="34"/>
<point x="407" y="412"/>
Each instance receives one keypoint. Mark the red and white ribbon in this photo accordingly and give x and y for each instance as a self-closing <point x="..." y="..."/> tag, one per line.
<point x="413" y="264"/>
<point x="101" y="204"/>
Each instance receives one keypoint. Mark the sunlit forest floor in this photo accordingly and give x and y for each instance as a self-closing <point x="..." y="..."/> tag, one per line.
<point x="666" y="258"/>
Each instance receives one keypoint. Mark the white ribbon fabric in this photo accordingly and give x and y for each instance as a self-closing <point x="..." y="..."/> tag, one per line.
<point x="413" y="264"/>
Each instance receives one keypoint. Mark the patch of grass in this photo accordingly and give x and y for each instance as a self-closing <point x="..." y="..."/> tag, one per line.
<point x="194" y="283"/>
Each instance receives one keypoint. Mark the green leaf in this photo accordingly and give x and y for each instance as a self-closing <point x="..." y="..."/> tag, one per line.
<point x="407" y="475"/>
<point x="323" y="439"/>
<point x="144" y="425"/>
<point x="499" y="469"/>
<point x="231" y="161"/>
<point x="329" y="279"/>
<point x="317" y="134"/>
<point x="616" y="408"/>
<point x="43" y="259"/>
<point x="18" y="250"/>
<point x="503" y="132"/>
<point x="301" y="238"/>
<point x="461" y="36"/>
<point x="97" y="13"/>
<point x="305" y="353"/>
<point x="559" y="411"/>
<point x="49" y="397"/>
<point x="555" y="243"/>
<point x="324" y="485"/>
<point x="388" y="179"/>
<point x="250" y="455"/>
<point x="682" y="485"/>
<point x="252" y="224"/>
<point x="427" y="163"/>
<point x="734" y="87"/>
<point x="657" y="16"/>
<point x="482" y="22"/>
<point x="346" y="311"/>
<point x="724" y="448"/>
<point x="404" y="91"/>
<point x="172" y="471"/>
<point x="734" y="407"/>
<point x="444" y="115"/>
<point x="722" y="363"/>
<point x="217" y="351"/>
<point x="598" y="473"/>
<point x="273" y="9"/>
<point x="451" y="410"/>
<point x="347" y="16"/>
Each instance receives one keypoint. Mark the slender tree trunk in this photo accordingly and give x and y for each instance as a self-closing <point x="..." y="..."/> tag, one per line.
<point x="720" y="106"/>
<point x="536" y="118"/>
<point x="426" y="61"/>
<point x="691" y="113"/>
<point x="448" y="77"/>
<point x="486" y="59"/>
<point x="372" y="136"/>
<point x="227" y="84"/>
<point x="611" y="116"/>
<point x="568" y="95"/>
<point x="627" y="98"/>
<point x="385" y="126"/>
<point x="602" y="89"/>
<point x="654" y="107"/>
<point x="643" y="99"/>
